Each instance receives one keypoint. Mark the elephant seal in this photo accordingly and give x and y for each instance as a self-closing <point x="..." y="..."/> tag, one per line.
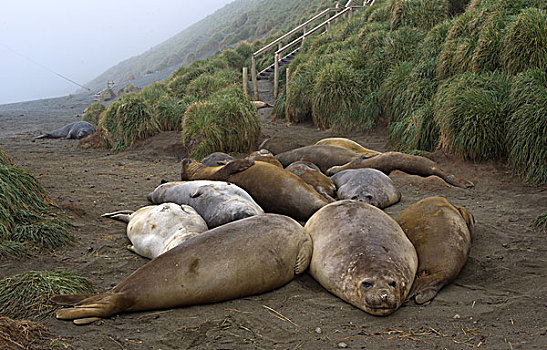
<point x="261" y="104"/>
<point x="217" y="158"/>
<point x="265" y="156"/>
<point x="323" y="156"/>
<point x="410" y="164"/>
<point x="155" y="229"/>
<point x="218" y="202"/>
<point x="76" y="130"/>
<point x="311" y="174"/>
<point x="366" y="185"/>
<point x="274" y="189"/>
<point x="441" y="234"/>
<point x="361" y="255"/>
<point x="241" y="258"/>
<point x="347" y="144"/>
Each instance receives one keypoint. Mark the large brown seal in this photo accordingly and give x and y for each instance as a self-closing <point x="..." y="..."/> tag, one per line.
<point x="323" y="156"/>
<point x="441" y="234"/>
<point x="347" y="144"/>
<point x="410" y="164"/>
<point x="274" y="189"/>
<point x="241" y="258"/>
<point x="361" y="255"/>
<point x="265" y="156"/>
<point x="311" y="174"/>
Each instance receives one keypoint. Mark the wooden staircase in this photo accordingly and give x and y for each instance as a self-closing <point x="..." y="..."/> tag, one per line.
<point x="279" y="60"/>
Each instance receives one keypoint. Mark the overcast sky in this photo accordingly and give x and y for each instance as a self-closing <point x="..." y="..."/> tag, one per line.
<point x="80" y="39"/>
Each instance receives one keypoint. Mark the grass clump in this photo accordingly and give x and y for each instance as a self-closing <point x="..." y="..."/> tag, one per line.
<point x="18" y="334"/>
<point x="5" y="159"/>
<point x="424" y="14"/>
<point x="527" y="126"/>
<point x="226" y="122"/>
<point x="169" y="111"/>
<point x="540" y="222"/>
<point x="27" y="295"/>
<point x="206" y="85"/>
<point x="279" y="106"/>
<point x="416" y="131"/>
<point x="92" y="113"/>
<point x="403" y="45"/>
<point x="471" y="111"/>
<point x="525" y="44"/>
<point x="10" y="249"/>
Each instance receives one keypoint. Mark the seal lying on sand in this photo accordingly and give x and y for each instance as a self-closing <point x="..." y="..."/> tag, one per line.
<point x="410" y="164"/>
<point x="265" y="156"/>
<point x="274" y="189"/>
<point x="367" y="185"/>
<point x="323" y="156"/>
<point x="217" y="158"/>
<point x="242" y="258"/>
<point x="361" y="255"/>
<point x="76" y="130"/>
<point x="347" y="144"/>
<point x="311" y="174"/>
<point x="441" y="234"/>
<point x="155" y="229"/>
<point x="218" y="202"/>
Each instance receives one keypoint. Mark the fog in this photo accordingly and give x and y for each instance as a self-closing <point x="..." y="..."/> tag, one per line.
<point x="81" y="39"/>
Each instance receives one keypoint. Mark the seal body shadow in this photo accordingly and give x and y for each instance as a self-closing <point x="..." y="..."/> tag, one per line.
<point x="241" y="258"/>
<point x="441" y="234"/>
<point x="361" y="255"/>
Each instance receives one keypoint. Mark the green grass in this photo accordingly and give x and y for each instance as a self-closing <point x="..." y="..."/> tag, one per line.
<point x="5" y="159"/>
<point x="299" y="100"/>
<point x="92" y="113"/>
<point x="471" y="111"/>
<point x="527" y="126"/>
<point x="424" y="14"/>
<point x="169" y="111"/>
<point x="12" y="250"/>
<point x="279" y="106"/>
<point x="27" y="295"/>
<point x="416" y="131"/>
<point x="207" y="85"/>
<point x="540" y="222"/>
<point x="227" y="122"/>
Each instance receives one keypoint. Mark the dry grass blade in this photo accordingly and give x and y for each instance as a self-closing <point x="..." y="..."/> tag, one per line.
<point x="279" y="315"/>
<point x="16" y="334"/>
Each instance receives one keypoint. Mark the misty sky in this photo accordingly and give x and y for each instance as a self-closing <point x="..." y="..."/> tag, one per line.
<point x="80" y="39"/>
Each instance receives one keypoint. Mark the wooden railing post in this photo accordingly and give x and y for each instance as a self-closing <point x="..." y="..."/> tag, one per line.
<point x="253" y="77"/>
<point x="287" y="72"/>
<point x="245" y="82"/>
<point x="276" y="76"/>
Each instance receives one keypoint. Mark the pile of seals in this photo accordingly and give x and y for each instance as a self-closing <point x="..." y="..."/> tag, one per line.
<point x="211" y="240"/>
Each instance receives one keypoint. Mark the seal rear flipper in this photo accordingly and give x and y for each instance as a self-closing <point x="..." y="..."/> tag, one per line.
<point x="43" y="136"/>
<point x="122" y="215"/>
<point x="425" y="288"/>
<point x="304" y="257"/>
<point x="100" y="305"/>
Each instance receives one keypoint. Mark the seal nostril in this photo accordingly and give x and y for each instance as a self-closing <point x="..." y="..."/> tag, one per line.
<point x="383" y="297"/>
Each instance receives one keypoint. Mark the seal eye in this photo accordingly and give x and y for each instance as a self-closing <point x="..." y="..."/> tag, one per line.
<point x="393" y="284"/>
<point x="367" y="284"/>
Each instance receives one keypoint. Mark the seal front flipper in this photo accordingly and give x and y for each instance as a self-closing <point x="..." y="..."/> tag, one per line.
<point x="235" y="166"/>
<point x="304" y="256"/>
<point x="122" y="215"/>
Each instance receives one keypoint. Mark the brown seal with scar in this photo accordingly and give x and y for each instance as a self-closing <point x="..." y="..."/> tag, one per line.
<point x="361" y="255"/>
<point x="347" y="144"/>
<point x="274" y="189"/>
<point x="441" y="234"/>
<point x="410" y="164"/>
<point x="311" y="174"/>
<point x="244" y="257"/>
<point x="323" y="156"/>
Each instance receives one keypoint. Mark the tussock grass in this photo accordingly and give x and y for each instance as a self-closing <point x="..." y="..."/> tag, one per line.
<point x="169" y="111"/>
<point x="435" y="38"/>
<point x="299" y="101"/>
<point x="154" y="92"/>
<point x="11" y="250"/>
<point x="417" y="131"/>
<point x="540" y="222"/>
<point x="380" y="11"/>
<point x="525" y="44"/>
<point x="487" y="54"/>
<point x="392" y="89"/>
<point x="403" y="45"/>
<point x="227" y="122"/>
<point x="424" y="14"/>
<point x="92" y="113"/>
<point x="527" y="126"/>
<point x="471" y="111"/>
<point x="27" y="295"/>
<point x="5" y="159"/>
<point x="206" y="85"/>
<point x="279" y="106"/>
<point x="129" y="119"/>
<point x="181" y="78"/>
<point x="128" y="89"/>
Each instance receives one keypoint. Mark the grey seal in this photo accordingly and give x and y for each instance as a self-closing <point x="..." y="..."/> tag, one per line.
<point x="76" y="130"/>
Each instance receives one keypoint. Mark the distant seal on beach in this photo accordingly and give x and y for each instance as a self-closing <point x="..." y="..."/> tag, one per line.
<point x="410" y="164"/>
<point x="323" y="156"/>
<point x="155" y="229"/>
<point x="217" y="158"/>
<point x="76" y="130"/>
<point x="347" y="144"/>
<point x="366" y="185"/>
<point x="266" y="156"/>
<point x="218" y="202"/>
<point x="313" y="176"/>
<point x="261" y="104"/>
<point x="275" y="189"/>
<point x="441" y="234"/>
<point x="241" y="258"/>
<point x="361" y="255"/>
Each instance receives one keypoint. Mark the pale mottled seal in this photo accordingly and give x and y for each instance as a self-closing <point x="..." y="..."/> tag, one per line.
<point x="366" y="185"/>
<point x="389" y="161"/>
<point x="217" y="158"/>
<point x="323" y="156"/>
<point x="241" y="258"/>
<point x="155" y="229"/>
<point x="347" y="144"/>
<point x="274" y="189"/>
<point x="361" y="255"/>
<point x="218" y="202"/>
<point x="313" y="176"/>
<point x="76" y="130"/>
<point x="441" y="234"/>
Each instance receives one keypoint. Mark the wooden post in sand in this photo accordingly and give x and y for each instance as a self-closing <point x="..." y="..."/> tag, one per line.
<point x="245" y="82"/>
